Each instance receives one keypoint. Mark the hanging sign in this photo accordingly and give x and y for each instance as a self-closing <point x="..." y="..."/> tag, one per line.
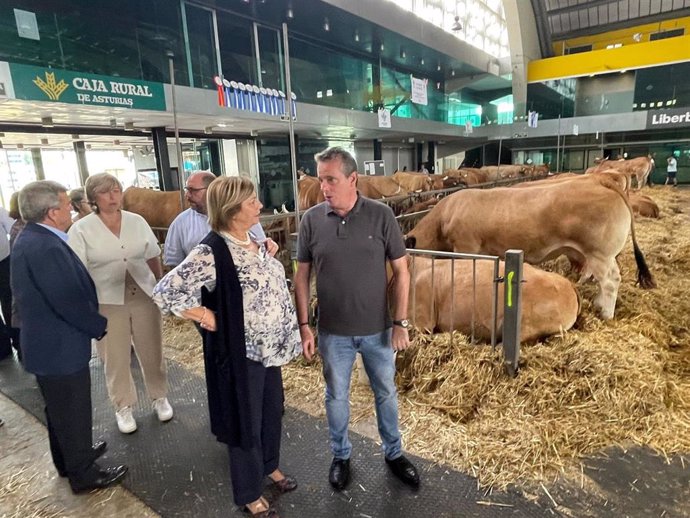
<point x="532" y="119"/>
<point x="419" y="90"/>
<point x="468" y="126"/>
<point x="384" y="118"/>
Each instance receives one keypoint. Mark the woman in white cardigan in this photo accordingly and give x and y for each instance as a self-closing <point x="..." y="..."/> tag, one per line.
<point x="123" y="257"/>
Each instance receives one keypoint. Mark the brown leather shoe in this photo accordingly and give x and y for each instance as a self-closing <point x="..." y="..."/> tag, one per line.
<point x="285" y="485"/>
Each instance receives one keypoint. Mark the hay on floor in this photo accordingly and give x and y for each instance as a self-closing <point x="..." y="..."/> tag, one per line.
<point x="620" y="382"/>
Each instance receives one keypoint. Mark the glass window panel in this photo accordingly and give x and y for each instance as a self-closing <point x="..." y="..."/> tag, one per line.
<point x="236" y="49"/>
<point x="202" y="46"/>
<point x="271" y="58"/>
<point x="130" y="41"/>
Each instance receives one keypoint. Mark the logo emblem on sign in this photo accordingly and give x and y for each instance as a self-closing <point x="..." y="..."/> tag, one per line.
<point x="49" y="87"/>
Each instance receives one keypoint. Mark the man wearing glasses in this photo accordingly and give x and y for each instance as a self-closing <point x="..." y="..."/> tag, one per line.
<point x="191" y="226"/>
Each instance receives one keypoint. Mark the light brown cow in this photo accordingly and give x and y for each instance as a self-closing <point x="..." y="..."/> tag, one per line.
<point x="308" y="191"/>
<point x="639" y="167"/>
<point x="502" y="172"/>
<point x="468" y="176"/>
<point x="549" y="301"/>
<point x="158" y="208"/>
<point x="643" y="205"/>
<point x="588" y="220"/>
<point x="384" y="186"/>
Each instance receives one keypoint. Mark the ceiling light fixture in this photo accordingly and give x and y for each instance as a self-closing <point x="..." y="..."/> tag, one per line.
<point x="356" y="35"/>
<point x="422" y="61"/>
<point x="382" y="47"/>
<point x="438" y="67"/>
<point x="403" y="55"/>
<point x="326" y="25"/>
<point x="290" y="13"/>
<point x="452" y="72"/>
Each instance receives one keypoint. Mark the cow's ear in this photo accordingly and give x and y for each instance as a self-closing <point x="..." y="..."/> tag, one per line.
<point x="410" y="241"/>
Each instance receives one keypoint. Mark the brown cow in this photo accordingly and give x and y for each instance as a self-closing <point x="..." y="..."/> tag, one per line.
<point x="549" y="301"/>
<point x="158" y="208"/>
<point x="414" y="182"/>
<point x="643" y="205"/>
<point x="380" y="187"/>
<point x="639" y="167"/>
<point x="308" y="191"/>
<point x="587" y="220"/>
<point x="502" y="172"/>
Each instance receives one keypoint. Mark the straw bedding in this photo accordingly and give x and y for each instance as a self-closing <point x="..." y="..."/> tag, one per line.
<point x="620" y="382"/>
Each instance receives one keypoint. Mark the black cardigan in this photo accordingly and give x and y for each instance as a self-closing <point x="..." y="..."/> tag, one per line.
<point x="225" y="353"/>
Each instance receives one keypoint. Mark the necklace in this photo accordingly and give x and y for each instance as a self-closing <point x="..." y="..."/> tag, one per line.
<point x="240" y="242"/>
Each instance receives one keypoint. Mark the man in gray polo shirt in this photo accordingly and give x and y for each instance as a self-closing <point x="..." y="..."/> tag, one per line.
<point x="349" y="239"/>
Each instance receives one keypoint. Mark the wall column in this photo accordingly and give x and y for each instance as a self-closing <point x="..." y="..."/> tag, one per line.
<point x="80" y="151"/>
<point x="166" y="179"/>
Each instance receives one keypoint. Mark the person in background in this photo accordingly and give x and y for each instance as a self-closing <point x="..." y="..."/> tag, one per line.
<point x="351" y="240"/>
<point x="191" y="225"/>
<point x="123" y="257"/>
<point x="16" y="229"/>
<point x="6" y="223"/>
<point x="671" y="171"/>
<point x="57" y="300"/>
<point x="237" y="293"/>
<point x="80" y="205"/>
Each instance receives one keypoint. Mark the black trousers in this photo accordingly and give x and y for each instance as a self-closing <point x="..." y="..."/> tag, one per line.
<point x="249" y="467"/>
<point x="68" y="409"/>
<point x="6" y="306"/>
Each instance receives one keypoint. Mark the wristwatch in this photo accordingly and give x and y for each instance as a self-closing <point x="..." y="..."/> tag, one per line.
<point x="404" y="323"/>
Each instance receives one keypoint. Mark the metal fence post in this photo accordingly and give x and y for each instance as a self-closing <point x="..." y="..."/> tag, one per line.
<point x="512" y="310"/>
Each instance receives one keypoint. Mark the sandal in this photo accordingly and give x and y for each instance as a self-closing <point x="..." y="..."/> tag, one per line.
<point x="285" y="484"/>
<point x="262" y="510"/>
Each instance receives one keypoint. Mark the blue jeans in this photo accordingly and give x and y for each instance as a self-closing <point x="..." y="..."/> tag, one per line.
<point x="338" y="354"/>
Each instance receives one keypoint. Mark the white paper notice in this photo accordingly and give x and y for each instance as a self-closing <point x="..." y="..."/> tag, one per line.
<point x="384" y="118"/>
<point x="419" y="90"/>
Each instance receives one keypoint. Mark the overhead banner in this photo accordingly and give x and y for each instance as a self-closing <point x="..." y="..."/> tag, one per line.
<point x="419" y="90"/>
<point x="51" y="84"/>
<point x="468" y="127"/>
<point x="532" y="119"/>
<point x="384" y="118"/>
<point x="676" y="118"/>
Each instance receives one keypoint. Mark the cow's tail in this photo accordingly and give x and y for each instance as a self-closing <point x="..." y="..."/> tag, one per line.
<point x="644" y="276"/>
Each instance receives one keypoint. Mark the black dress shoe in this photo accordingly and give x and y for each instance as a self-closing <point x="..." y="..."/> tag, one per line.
<point x="404" y="470"/>
<point x="339" y="475"/>
<point x="101" y="478"/>
<point x="99" y="448"/>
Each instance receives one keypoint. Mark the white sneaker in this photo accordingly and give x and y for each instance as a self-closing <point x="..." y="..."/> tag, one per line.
<point x="163" y="409"/>
<point x="125" y="420"/>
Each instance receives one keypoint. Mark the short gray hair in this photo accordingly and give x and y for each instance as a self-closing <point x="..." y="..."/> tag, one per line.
<point x="37" y="198"/>
<point x="99" y="183"/>
<point x="76" y="196"/>
<point x="349" y="164"/>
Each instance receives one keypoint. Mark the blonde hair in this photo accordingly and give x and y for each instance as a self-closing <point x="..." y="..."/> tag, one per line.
<point x="97" y="184"/>
<point x="224" y="199"/>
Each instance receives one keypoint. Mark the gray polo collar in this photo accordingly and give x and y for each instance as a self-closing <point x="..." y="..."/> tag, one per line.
<point x="354" y="210"/>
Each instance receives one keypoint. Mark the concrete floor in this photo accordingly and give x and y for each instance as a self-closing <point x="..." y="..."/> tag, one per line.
<point x="30" y="486"/>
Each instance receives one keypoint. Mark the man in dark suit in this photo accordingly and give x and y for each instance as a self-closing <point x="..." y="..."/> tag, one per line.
<point x="56" y="300"/>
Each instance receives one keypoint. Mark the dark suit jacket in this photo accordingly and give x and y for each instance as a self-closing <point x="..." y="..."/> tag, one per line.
<point x="57" y="303"/>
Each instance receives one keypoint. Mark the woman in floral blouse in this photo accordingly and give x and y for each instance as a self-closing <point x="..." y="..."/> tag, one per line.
<point x="238" y="295"/>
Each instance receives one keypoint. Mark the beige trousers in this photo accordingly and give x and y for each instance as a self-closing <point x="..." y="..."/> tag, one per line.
<point x="136" y="323"/>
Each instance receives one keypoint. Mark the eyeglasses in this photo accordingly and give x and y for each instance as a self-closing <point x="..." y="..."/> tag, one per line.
<point x="194" y="190"/>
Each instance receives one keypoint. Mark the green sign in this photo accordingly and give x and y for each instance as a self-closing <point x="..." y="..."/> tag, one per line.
<point x="50" y="84"/>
